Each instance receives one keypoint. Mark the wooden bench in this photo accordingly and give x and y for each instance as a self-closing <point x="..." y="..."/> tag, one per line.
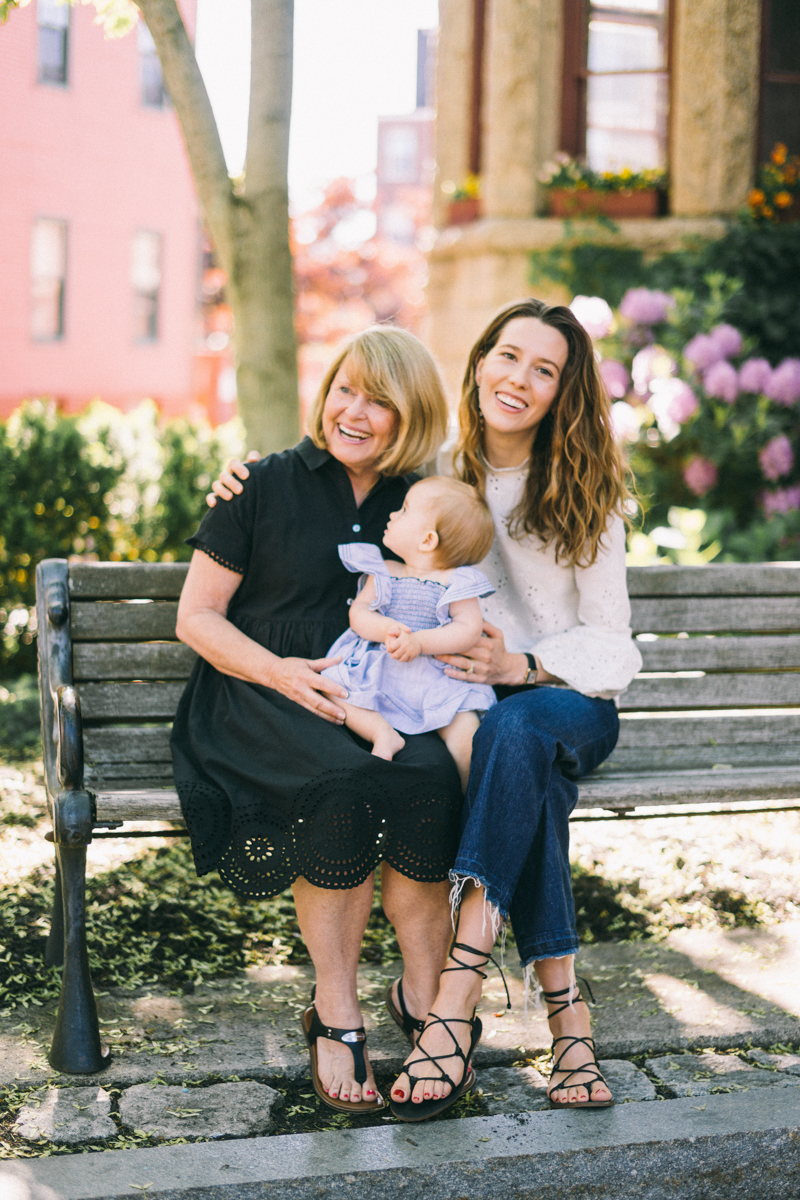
<point x="715" y="639"/>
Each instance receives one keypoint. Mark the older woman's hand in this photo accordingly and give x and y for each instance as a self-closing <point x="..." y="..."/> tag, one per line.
<point x="228" y="485"/>
<point x="299" y="680"/>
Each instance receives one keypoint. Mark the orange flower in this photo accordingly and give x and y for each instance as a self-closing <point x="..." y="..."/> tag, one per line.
<point x="778" y="155"/>
<point x="783" y="199"/>
<point x="766" y="211"/>
<point x="756" y="197"/>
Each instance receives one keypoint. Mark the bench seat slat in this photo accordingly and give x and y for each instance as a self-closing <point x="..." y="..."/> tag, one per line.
<point x="722" y="653"/>
<point x="712" y="691"/>
<point x="691" y="787"/>
<point x="716" y="614"/>
<point x="716" y="579"/>
<point x="141" y="804"/>
<point x="133" y="660"/>
<point x="123" y="622"/>
<point x="126" y="581"/>
<point x="612" y="791"/>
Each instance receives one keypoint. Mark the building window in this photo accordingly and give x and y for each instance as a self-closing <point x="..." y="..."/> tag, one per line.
<point x="401" y="155"/>
<point x="154" y="93"/>
<point x="616" y="83"/>
<point x="48" y="272"/>
<point x="780" y="76"/>
<point x="146" y="280"/>
<point x="53" y="20"/>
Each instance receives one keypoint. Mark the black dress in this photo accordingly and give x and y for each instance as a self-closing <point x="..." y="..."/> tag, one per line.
<point x="270" y="791"/>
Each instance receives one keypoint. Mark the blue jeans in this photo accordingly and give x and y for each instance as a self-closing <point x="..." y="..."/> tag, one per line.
<point x="515" y="826"/>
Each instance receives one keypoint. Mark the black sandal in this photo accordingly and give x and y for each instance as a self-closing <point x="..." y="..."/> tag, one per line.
<point x="401" y="1016"/>
<point x="592" y="1068"/>
<point x="408" y="1110"/>
<point x="354" y="1039"/>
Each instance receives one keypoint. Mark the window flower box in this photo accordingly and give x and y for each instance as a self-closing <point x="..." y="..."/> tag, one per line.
<point x="576" y="190"/>
<point x="464" y="210"/>
<point x="589" y="202"/>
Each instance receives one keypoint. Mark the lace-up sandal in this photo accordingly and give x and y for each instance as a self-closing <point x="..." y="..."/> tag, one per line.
<point x="401" y="1016"/>
<point x="408" y="1110"/>
<point x="354" y="1039"/>
<point x="589" y="1069"/>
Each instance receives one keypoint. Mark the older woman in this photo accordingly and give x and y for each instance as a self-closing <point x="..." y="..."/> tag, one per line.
<point x="274" y="790"/>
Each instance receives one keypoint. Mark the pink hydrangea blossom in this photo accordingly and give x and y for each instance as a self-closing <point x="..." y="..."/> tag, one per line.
<point x="754" y="375"/>
<point x="728" y="339"/>
<point x="722" y="381"/>
<point x="776" y="458"/>
<point x="700" y="475"/>
<point x="783" y="385"/>
<point x="594" y="315"/>
<point x="702" y="352"/>
<point x="624" y="421"/>
<point x="645" y="307"/>
<point x="653" y="362"/>
<point x="616" y="377"/>
<point x="683" y="403"/>
<point x="782" y="500"/>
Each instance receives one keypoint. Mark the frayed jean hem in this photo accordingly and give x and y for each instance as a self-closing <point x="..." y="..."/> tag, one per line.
<point x="559" y="953"/>
<point x="492" y="912"/>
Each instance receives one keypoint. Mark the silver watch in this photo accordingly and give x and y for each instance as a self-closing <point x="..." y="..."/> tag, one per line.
<point x="533" y="671"/>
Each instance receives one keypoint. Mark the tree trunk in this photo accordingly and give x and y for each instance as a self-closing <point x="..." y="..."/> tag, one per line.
<point x="261" y="290"/>
<point x="250" y="229"/>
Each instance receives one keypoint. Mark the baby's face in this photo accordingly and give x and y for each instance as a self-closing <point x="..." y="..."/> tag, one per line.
<point x="409" y="526"/>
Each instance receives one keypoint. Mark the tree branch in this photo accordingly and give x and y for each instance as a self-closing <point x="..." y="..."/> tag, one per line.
<point x="193" y="107"/>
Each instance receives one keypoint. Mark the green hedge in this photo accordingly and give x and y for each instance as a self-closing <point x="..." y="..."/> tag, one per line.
<point x="101" y="485"/>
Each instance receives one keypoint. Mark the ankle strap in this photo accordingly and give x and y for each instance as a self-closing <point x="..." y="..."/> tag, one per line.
<point x="554" y="997"/>
<point x="487" y="958"/>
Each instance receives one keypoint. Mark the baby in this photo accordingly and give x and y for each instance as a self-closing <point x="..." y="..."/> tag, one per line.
<point x="406" y="612"/>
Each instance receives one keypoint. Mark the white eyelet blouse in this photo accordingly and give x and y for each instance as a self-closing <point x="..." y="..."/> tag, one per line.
<point x="576" y="620"/>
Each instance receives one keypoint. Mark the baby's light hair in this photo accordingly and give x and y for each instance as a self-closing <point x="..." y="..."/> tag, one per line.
<point x="462" y="520"/>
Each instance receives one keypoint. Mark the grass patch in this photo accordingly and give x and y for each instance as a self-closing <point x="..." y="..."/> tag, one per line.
<point x="152" y="921"/>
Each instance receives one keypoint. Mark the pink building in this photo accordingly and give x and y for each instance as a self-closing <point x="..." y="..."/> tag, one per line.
<point x="99" y="229"/>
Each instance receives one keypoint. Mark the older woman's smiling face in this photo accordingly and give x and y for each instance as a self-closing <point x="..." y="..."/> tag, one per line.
<point x="358" y="428"/>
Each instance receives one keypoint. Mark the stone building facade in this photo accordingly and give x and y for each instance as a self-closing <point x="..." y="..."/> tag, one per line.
<point x="504" y="109"/>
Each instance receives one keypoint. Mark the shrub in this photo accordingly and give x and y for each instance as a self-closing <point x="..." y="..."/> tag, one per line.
<point x="710" y="425"/>
<point x="764" y="259"/>
<point x="101" y="485"/>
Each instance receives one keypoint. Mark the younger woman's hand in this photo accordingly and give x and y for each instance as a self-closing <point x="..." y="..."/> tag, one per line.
<point x="488" y="661"/>
<point x="228" y="485"/>
<point x="299" y="679"/>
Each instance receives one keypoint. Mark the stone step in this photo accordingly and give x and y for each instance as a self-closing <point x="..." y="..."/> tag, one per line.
<point x="737" y="1146"/>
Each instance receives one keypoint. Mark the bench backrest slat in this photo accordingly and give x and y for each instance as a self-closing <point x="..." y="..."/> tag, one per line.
<point x="123" y="621"/>
<point x="129" y="668"/>
<point x="133" y="660"/>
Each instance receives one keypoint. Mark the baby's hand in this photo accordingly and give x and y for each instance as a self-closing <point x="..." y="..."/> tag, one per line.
<point x="404" y="646"/>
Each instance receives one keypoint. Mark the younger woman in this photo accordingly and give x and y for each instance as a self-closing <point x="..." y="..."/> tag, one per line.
<point x="408" y="611"/>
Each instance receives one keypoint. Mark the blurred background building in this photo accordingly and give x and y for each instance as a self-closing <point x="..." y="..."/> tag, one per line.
<point x="701" y="88"/>
<point x="100" y="246"/>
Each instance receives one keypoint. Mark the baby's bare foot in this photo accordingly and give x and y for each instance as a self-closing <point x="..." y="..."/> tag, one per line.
<point x="388" y="744"/>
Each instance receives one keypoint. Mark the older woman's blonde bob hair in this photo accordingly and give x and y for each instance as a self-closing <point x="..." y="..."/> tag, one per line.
<point x="390" y="364"/>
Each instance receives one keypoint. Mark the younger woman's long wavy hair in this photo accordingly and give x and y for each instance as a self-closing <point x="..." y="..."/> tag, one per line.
<point x="577" y="475"/>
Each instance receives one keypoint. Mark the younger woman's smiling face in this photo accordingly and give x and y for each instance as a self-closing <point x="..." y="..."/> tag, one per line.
<point x="358" y="428"/>
<point x="520" y="376"/>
